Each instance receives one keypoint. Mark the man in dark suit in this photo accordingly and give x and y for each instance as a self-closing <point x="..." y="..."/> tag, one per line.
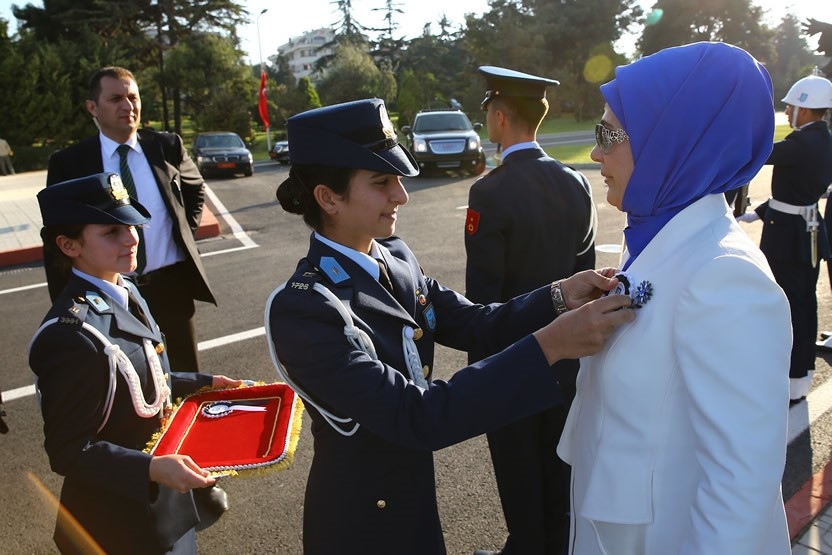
<point x="530" y="221"/>
<point x="794" y="237"/>
<point x="157" y="171"/>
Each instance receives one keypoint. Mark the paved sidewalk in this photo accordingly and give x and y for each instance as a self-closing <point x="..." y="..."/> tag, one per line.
<point x="811" y="507"/>
<point x="20" y="220"/>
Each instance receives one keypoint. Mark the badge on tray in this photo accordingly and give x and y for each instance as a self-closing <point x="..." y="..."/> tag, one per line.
<point x="233" y="431"/>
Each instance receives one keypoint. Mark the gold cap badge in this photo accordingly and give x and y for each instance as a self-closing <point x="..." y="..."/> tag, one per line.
<point x="117" y="188"/>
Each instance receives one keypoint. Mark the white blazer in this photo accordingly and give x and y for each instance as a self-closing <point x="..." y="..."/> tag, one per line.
<point x="677" y="437"/>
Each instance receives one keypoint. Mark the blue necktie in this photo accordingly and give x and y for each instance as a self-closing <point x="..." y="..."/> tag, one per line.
<point x="130" y="185"/>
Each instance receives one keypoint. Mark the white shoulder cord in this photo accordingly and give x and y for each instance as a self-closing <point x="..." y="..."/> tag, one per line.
<point x="360" y="340"/>
<point x="118" y="360"/>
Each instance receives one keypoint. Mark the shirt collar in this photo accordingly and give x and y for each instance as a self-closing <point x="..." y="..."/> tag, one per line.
<point x="109" y="146"/>
<point x="116" y="291"/>
<point x="366" y="261"/>
<point x="521" y="146"/>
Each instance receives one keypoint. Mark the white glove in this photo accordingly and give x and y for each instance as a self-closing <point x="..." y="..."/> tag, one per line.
<point x="748" y="217"/>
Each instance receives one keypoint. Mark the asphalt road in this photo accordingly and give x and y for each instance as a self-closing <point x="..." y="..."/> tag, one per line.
<point x="257" y="252"/>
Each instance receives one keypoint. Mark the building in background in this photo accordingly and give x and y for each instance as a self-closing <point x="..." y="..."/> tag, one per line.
<point x="304" y="50"/>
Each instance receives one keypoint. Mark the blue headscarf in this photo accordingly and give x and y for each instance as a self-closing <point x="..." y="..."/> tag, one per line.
<point x="700" y="118"/>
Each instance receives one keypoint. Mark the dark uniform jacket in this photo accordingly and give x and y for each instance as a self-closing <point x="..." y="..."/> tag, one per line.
<point x="374" y="492"/>
<point x="531" y="221"/>
<point x="106" y="475"/>
<point x="536" y="224"/>
<point x="802" y="171"/>
<point x="180" y="184"/>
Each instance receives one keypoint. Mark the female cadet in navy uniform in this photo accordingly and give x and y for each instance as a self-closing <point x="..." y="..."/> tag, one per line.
<point x="126" y="500"/>
<point x="794" y="236"/>
<point x="362" y="354"/>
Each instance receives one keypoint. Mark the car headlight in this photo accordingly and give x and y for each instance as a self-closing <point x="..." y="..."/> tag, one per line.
<point x="250" y="158"/>
<point x="420" y="145"/>
<point x="201" y="159"/>
<point x="474" y="143"/>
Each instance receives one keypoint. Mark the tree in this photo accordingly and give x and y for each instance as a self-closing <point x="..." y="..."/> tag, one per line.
<point x="736" y="22"/>
<point x="134" y="33"/>
<point x="441" y="67"/>
<point x="793" y="59"/>
<point x="351" y="75"/>
<point x="552" y="39"/>
<point x="217" y="87"/>
<point x="415" y="92"/>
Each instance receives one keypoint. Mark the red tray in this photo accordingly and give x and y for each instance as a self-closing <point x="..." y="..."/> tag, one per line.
<point x="228" y="431"/>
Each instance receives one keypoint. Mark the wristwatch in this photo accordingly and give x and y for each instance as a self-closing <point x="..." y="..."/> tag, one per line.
<point x="557" y="298"/>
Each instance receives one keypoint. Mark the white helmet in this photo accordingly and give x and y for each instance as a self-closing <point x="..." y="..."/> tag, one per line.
<point x="813" y="91"/>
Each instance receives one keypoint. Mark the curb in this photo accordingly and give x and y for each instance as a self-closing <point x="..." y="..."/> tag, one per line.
<point x="209" y="227"/>
<point x="208" y="224"/>
<point x="810" y="501"/>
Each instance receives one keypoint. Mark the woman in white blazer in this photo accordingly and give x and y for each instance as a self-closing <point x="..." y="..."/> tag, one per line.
<point x="677" y="438"/>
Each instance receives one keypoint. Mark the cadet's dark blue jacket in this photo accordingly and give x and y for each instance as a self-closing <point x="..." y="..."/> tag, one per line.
<point x="374" y="492"/>
<point x="106" y="475"/>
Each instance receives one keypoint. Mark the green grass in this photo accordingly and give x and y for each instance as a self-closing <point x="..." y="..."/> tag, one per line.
<point x="579" y="154"/>
<point x="568" y="154"/>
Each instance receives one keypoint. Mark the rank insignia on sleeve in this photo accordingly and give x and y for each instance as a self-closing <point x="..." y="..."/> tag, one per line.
<point x="472" y="221"/>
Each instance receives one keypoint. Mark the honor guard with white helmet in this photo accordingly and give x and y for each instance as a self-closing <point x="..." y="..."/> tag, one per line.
<point x="794" y="236"/>
<point x="530" y="221"/>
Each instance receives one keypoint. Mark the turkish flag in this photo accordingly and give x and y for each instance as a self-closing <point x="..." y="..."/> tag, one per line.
<point x="262" y="105"/>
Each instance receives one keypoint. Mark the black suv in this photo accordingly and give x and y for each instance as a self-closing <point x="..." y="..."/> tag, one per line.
<point x="222" y="152"/>
<point x="445" y="140"/>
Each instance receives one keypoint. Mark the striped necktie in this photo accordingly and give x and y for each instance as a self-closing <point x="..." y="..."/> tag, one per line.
<point x="384" y="276"/>
<point x="130" y="185"/>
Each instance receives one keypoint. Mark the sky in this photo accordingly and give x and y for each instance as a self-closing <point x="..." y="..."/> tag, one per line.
<point x="284" y="20"/>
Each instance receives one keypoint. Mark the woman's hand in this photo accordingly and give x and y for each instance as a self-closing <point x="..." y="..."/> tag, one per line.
<point x="587" y="286"/>
<point x="584" y="331"/>
<point x="179" y="472"/>
<point x="224" y="382"/>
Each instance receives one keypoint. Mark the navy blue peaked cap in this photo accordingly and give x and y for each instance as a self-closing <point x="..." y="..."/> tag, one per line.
<point x="95" y="199"/>
<point x="500" y="81"/>
<point x="355" y="134"/>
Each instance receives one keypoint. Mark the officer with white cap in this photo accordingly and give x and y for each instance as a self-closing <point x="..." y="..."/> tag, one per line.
<point x="794" y="237"/>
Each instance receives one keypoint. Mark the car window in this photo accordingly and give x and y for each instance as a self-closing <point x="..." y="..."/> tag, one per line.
<point x="219" y="141"/>
<point x="450" y="121"/>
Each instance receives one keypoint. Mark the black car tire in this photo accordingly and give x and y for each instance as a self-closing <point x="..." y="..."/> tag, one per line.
<point x="248" y="171"/>
<point x="479" y="167"/>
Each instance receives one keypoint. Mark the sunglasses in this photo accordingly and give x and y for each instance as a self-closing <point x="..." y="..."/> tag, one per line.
<point x="604" y="137"/>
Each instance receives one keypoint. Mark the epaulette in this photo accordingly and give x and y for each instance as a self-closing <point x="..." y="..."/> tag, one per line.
<point x="304" y="282"/>
<point x="75" y="314"/>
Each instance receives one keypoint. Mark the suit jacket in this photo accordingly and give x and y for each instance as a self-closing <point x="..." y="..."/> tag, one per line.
<point x="374" y="492"/>
<point x="180" y="184"/>
<point x="802" y="170"/>
<point x="675" y="432"/>
<point x="536" y="224"/>
<point x="106" y="486"/>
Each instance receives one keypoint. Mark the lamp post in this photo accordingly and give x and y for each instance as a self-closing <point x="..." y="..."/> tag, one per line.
<point x="262" y="69"/>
